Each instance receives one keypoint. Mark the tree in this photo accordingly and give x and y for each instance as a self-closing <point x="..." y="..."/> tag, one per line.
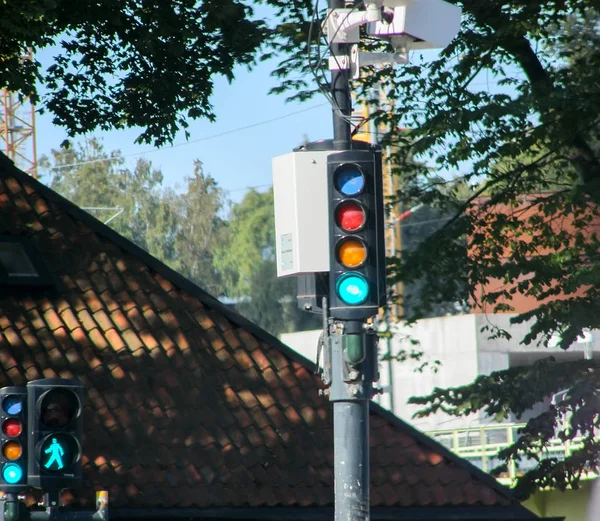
<point x="126" y="63"/>
<point x="131" y="202"/>
<point x="536" y="128"/>
<point x="182" y="228"/>
<point x="200" y="229"/>
<point x="248" y="265"/>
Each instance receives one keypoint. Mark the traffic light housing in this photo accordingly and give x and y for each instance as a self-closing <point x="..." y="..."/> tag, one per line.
<point x="13" y="434"/>
<point x="55" y="429"/>
<point x="356" y="245"/>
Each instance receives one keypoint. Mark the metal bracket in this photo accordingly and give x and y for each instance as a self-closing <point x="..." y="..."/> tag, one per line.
<point x="352" y="382"/>
<point x="324" y="348"/>
<point x="343" y="25"/>
<point x="339" y="62"/>
<point x="360" y="59"/>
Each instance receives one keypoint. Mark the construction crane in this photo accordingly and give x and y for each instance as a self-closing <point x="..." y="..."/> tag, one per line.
<point x="17" y="129"/>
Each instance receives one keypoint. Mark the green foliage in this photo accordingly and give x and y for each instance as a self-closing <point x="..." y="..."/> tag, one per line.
<point x="182" y="229"/>
<point x="529" y="147"/>
<point x="248" y="264"/>
<point x="199" y="229"/>
<point x="187" y="229"/>
<point x="126" y="63"/>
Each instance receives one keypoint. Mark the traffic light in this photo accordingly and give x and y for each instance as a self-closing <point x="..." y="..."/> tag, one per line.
<point x="13" y="415"/>
<point x="55" y="430"/>
<point x="356" y="246"/>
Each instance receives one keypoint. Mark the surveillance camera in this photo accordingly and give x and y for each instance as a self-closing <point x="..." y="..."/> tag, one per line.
<point x="417" y="24"/>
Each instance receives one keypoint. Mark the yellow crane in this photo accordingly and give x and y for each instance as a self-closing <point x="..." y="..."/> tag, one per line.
<point x="17" y="129"/>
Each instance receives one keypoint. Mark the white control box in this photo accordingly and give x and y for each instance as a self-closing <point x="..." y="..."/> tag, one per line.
<point x="420" y="24"/>
<point x="301" y="212"/>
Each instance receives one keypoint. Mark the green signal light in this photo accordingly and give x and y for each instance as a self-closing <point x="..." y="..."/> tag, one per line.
<point x="352" y="288"/>
<point x="58" y="452"/>
<point x="12" y="473"/>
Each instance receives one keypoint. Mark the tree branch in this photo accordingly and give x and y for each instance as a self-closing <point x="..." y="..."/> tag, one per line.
<point x="580" y="152"/>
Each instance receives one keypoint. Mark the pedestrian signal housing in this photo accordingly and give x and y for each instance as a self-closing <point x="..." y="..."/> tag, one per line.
<point x="13" y="455"/>
<point x="356" y="238"/>
<point x="55" y="420"/>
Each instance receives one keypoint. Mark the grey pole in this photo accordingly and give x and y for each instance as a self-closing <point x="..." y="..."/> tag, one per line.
<point x="340" y="92"/>
<point x="351" y="391"/>
<point x="353" y="354"/>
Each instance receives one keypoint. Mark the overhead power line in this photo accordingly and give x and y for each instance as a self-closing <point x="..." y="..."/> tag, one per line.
<point x="193" y="141"/>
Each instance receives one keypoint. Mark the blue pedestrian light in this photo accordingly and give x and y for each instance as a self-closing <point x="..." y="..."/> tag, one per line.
<point x="352" y="288"/>
<point x="12" y="473"/>
<point x="349" y="180"/>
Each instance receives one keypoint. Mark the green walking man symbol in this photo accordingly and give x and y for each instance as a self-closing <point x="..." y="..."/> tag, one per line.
<point x="56" y="453"/>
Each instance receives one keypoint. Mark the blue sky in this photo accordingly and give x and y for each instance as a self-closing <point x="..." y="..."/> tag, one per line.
<point x="237" y="160"/>
<point x="237" y="157"/>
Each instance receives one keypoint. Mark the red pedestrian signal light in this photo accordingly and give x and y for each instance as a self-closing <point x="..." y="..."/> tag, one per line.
<point x="13" y="439"/>
<point x="357" y="249"/>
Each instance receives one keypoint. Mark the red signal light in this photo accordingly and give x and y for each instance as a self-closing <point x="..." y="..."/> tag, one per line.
<point x="12" y="428"/>
<point x="350" y="216"/>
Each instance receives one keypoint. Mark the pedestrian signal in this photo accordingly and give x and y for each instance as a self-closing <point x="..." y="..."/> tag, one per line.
<point x="55" y="416"/>
<point x="13" y="452"/>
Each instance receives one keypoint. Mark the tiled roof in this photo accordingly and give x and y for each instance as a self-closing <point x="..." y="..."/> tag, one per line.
<point x="189" y="405"/>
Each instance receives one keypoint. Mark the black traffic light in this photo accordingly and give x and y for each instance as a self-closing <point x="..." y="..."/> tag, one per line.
<point x="357" y="247"/>
<point x="55" y="430"/>
<point x="13" y="415"/>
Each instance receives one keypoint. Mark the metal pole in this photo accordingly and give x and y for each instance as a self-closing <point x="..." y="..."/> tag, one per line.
<point x="340" y="92"/>
<point x="353" y="353"/>
<point x="351" y="390"/>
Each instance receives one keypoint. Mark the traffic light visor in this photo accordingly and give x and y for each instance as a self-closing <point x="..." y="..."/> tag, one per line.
<point x="58" y="408"/>
<point x="352" y="289"/>
<point x="349" y="180"/>
<point x="12" y="405"/>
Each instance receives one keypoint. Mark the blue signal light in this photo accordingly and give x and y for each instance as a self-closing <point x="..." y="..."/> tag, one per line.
<point x="12" y="473"/>
<point x="349" y="180"/>
<point x="352" y="288"/>
<point x="12" y="405"/>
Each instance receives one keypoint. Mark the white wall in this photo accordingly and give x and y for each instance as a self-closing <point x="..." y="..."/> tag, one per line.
<point x="304" y="342"/>
<point x="464" y="350"/>
<point x="452" y="342"/>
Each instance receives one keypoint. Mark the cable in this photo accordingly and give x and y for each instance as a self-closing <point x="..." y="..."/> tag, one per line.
<point x="316" y="70"/>
<point x="207" y="138"/>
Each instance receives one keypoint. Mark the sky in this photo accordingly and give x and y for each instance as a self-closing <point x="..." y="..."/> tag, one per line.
<point x="251" y="128"/>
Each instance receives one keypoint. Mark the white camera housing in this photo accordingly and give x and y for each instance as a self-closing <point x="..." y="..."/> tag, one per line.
<point x="418" y="24"/>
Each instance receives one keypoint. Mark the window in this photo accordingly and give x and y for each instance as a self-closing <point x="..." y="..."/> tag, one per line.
<point x="20" y="265"/>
